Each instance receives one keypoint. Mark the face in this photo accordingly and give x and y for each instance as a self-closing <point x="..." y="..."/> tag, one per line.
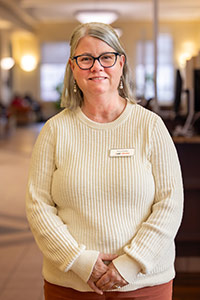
<point x="97" y="80"/>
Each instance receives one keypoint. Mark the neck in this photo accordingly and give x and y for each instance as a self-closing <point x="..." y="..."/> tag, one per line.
<point x="103" y="111"/>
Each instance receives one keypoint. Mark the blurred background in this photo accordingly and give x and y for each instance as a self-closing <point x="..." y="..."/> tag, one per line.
<point x="162" y="42"/>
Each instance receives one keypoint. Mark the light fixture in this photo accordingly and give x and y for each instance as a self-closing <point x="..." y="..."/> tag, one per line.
<point x="7" y="63"/>
<point x="188" y="49"/>
<point x="28" y="63"/>
<point x="103" y="16"/>
<point x="118" y="31"/>
<point x="183" y="57"/>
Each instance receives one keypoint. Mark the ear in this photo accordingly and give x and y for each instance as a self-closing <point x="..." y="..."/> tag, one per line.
<point x="71" y="63"/>
<point x="122" y="60"/>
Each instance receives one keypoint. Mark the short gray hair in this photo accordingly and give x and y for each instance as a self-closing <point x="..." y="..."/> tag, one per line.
<point x="107" y="34"/>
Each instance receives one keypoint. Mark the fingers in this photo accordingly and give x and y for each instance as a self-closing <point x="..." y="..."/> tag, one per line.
<point x="111" y="279"/>
<point x="107" y="281"/>
<point x="100" y="266"/>
<point x="104" y="274"/>
<point x="98" y="270"/>
<point x="110" y="284"/>
<point x="94" y="287"/>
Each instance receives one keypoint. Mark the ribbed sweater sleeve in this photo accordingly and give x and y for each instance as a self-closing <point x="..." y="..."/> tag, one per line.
<point x="157" y="232"/>
<point x="51" y="234"/>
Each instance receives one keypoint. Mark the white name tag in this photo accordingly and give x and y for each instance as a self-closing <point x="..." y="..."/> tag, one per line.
<point x="121" y="152"/>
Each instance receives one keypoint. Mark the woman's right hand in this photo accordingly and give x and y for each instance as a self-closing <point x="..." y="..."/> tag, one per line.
<point x="99" y="269"/>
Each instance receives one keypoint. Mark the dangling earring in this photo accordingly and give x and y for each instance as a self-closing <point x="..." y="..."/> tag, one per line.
<point x="121" y="86"/>
<point x="75" y="87"/>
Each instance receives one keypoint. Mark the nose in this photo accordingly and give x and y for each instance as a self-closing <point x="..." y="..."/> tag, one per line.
<point x="96" y="65"/>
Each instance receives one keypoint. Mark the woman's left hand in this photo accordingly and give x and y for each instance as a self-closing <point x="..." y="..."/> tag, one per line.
<point x="111" y="279"/>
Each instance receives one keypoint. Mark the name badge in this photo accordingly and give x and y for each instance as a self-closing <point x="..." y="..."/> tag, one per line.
<point x="121" y="152"/>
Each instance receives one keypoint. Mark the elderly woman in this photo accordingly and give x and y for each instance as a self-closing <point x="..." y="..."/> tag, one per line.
<point x="104" y="196"/>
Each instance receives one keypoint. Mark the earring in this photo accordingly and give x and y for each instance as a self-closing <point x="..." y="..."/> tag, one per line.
<point x="121" y="86"/>
<point x="75" y="87"/>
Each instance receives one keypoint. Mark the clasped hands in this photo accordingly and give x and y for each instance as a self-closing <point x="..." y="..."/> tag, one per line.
<point x="105" y="276"/>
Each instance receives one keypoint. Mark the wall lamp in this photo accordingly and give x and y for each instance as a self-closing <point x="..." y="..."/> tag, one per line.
<point x="7" y="63"/>
<point x="28" y="63"/>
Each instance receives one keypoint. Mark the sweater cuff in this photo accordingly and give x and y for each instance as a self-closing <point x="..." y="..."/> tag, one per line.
<point x="84" y="264"/>
<point x="127" y="267"/>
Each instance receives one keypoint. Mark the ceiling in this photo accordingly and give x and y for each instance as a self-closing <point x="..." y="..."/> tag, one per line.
<point x="29" y="13"/>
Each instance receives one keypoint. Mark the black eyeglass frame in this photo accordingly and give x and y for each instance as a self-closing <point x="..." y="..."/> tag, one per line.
<point x="96" y="58"/>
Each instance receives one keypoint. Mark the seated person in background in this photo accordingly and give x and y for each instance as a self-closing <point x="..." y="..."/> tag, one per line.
<point x="35" y="106"/>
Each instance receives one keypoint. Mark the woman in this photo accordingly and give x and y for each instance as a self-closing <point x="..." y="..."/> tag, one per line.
<point x="104" y="197"/>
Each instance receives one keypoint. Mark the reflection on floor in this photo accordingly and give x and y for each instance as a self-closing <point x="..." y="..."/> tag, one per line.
<point x="20" y="259"/>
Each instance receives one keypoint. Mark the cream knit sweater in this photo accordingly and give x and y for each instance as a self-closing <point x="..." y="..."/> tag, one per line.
<point x="82" y="201"/>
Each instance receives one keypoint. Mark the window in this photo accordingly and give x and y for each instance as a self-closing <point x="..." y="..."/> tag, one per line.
<point x="165" y="69"/>
<point x="54" y="57"/>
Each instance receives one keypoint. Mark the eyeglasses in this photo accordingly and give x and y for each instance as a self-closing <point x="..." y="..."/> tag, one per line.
<point x="106" y="60"/>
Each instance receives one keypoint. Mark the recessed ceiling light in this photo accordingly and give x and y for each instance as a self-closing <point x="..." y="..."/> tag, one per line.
<point x="103" y="16"/>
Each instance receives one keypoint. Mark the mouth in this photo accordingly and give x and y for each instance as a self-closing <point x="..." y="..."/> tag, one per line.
<point x="98" y="78"/>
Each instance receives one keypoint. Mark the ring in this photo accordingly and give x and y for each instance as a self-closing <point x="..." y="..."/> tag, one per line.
<point x="115" y="286"/>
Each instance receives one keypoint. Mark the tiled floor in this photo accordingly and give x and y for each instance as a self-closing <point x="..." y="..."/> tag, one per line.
<point x="20" y="259"/>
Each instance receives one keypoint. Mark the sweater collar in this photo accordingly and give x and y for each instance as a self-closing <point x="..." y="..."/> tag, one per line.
<point x="124" y="115"/>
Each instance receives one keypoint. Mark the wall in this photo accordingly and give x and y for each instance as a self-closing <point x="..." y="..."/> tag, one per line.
<point x="24" y="43"/>
<point x="186" y="36"/>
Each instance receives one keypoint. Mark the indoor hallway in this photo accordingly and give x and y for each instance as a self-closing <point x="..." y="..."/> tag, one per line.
<point x="20" y="259"/>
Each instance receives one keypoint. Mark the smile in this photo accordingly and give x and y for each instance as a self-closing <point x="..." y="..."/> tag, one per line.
<point x="97" y="78"/>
